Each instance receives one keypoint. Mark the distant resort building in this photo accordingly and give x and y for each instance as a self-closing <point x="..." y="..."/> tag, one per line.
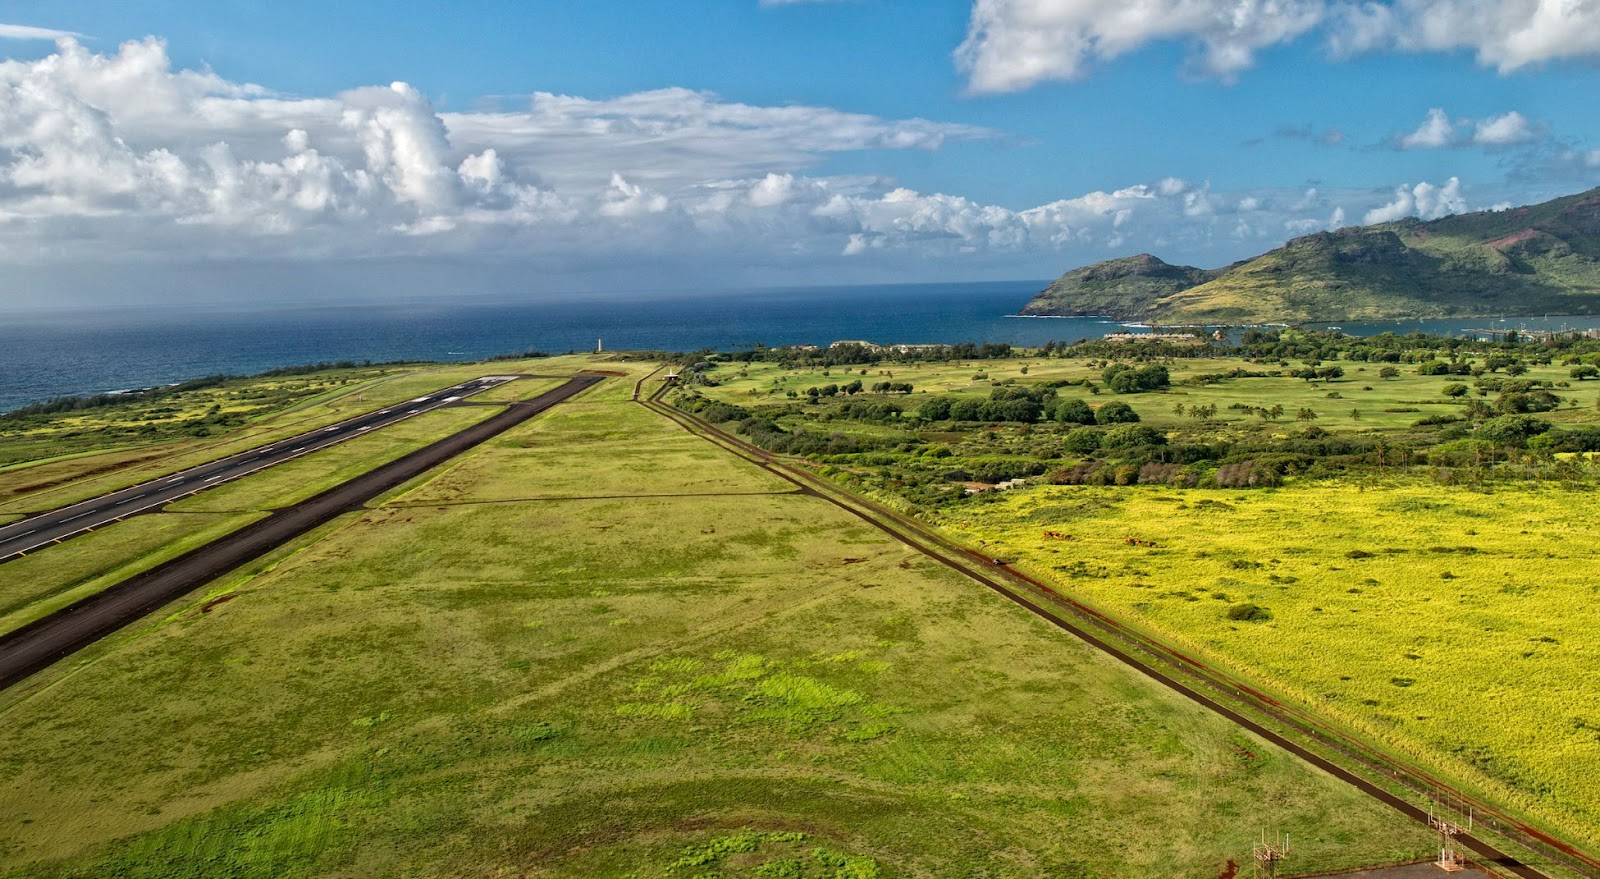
<point x="1174" y="338"/>
<point x="873" y="346"/>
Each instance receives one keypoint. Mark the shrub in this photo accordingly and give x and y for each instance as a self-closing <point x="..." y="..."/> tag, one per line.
<point x="1132" y="436"/>
<point x="1116" y="412"/>
<point x="1074" y="412"/>
<point x="1249" y="613"/>
<point x="1248" y="474"/>
<point x="1082" y="441"/>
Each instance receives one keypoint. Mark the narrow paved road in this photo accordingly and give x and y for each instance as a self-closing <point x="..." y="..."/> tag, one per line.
<point x="40" y="644"/>
<point x="45" y="529"/>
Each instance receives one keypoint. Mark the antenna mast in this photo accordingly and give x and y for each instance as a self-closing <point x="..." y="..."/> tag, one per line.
<point x="1450" y="820"/>
<point x="1270" y="855"/>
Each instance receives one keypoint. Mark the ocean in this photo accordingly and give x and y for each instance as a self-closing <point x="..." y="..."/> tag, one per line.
<point x="45" y="354"/>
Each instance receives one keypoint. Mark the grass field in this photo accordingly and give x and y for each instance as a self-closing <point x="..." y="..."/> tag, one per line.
<point x="1454" y="625"/>
<point x="73" y="456"/>
<point x="733" y="681"/>
<point x="49" y="579"/>
<point x="1381" y="403"/>
<point x="304" y="477"/>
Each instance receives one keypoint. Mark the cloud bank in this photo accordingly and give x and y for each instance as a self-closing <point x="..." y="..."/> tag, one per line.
<point x="120" y="159"/>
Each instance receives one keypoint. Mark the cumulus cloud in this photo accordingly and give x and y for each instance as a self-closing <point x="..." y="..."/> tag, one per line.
<point x="1438" y="130"/>
<point x="1425" y="201"/>
<point x="119" y="158"/>
<point x="1505" y="34"/>
<point x="1016" y="44"/>
<point x="1504" y="130"/>
<point x="1434" y="132"/>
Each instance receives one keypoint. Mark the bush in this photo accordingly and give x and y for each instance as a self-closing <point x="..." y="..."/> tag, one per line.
<point x="1512" y="430"/>
<point x="1132" y="436"/>
<point x="1248" y="474"/>
<point x="1075" y="412"/>
<point x="1249" y="613"/>
<point x="1116" y="412"/>
<point x="1082" y="441"/>
<point x="1125" y="379"/>
<point x="936" y="409"/>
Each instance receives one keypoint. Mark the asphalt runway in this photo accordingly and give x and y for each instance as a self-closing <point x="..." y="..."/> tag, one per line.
<point x="38" y="645"/>
<point x="46" y="529"/>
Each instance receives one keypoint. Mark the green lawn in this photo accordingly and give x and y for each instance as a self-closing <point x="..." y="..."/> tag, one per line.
<point x="730" y="684"/>
<point x="307" y="476"/>
<point x="49" y="579"/>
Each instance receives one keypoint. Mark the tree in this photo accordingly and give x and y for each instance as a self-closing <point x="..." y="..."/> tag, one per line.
<point x="1585" y="371"/>
<point x="1306" y="414"/>
<point x="1512" y="430"/>
<point x="1116" y="412"/>
<point x="1082" y="440"/>
<point x="1455" y="390"/>
<point x="1123" y="378"/>
<point x="966" y="410"/>
<point x="1133" y="436"/>
<point x="1389" y="372"/>
<point x="936" y="409"/>
<point x="1074" y="412"/>
<point x="853" y="387"/>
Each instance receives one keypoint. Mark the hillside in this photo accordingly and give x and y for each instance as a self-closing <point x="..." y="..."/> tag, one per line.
<point x="1541" y="259"/>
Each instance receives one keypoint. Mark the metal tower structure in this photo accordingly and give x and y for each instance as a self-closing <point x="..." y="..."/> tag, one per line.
<point x="1449" y="820"/>
<point x="1269" y="856"/>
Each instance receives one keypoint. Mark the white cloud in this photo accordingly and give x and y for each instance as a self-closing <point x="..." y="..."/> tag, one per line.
<point x="1438" y="130"/>
<point x="1503" y="130"/>
<point x="119" y="158"/>
<point x="1505" y="34"/>
<point x="1434" y="132"/>
<point x="1425" y="200"/>
<point x="26" y="32"/>
<point x="1015" y="44"/>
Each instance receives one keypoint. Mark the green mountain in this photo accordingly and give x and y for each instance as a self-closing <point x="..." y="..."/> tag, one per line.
<point x="1542" y="259"/>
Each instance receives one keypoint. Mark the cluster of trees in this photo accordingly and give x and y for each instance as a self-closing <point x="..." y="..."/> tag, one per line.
<point x="1125" y="378"/>
<point x="1314" y="373"/>
<point x="853" y="354"/>
<point x="855" y="387"/>
<point x="1025" y="404"/>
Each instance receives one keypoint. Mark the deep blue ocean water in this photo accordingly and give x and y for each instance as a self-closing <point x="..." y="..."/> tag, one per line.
<point x="46" y="354"/>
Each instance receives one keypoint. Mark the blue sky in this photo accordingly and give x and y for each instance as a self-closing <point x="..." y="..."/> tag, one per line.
<point x="738" y="142"/>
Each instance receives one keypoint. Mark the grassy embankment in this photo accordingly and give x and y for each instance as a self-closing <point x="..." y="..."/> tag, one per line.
<point x="503" y="672"/>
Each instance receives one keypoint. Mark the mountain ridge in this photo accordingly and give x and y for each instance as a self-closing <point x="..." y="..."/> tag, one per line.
<point x="1536" y="259"/>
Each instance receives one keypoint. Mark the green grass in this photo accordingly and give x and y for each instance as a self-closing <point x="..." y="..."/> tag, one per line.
<point x="309" y="475"/>
<point x="109" y="452"/>
<point x="1389" y="404"/>
<point x="594" y="450"/>
<point x="1450" y="624"/>
<point x="743" y="684"/>
<point x="521" y="389"/>
<point x="49" y="579"/>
